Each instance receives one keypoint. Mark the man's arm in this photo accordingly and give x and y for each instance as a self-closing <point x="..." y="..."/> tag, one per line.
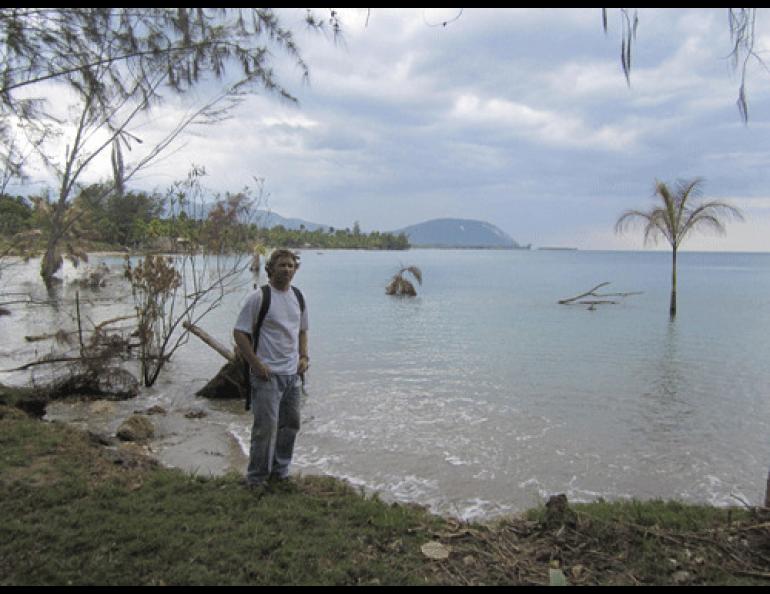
<point x="304" y="361"/>
<point x="243" y="342"/>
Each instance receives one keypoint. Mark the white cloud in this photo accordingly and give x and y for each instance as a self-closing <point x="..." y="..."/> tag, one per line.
<point x="290" y="121"/>
<point x="588" y="80"/>
<point x="553" y="128"/>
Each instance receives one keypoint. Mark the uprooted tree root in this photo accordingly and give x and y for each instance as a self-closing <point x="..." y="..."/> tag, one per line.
<point x="585" y="550"/>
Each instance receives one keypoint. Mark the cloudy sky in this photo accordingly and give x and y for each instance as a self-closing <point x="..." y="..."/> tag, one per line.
<point x="519" y="117"/>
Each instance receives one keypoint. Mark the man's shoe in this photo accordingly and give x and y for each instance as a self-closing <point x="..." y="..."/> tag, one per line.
<point x="283" y="483"/>
<point x="255" y="487"/>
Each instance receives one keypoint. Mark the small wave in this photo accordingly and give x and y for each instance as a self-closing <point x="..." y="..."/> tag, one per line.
<point x="480" y="509"/>
<point x="242" y="436"/>
<point x="457" y="461"/>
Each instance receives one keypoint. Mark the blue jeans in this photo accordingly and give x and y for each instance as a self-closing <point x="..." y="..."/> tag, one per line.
<point x="275" y="404"/>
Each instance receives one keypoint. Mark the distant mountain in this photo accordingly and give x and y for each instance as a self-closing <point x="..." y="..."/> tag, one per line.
<point x="263" y="218"/>
<point x="269" y="219"/>
<point x="459" y="233"/>
<point x="444" y="233"/>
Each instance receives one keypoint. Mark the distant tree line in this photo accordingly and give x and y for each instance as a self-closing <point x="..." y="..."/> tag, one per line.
<point x="138" y="220"/>
<point x="331" y="238"/>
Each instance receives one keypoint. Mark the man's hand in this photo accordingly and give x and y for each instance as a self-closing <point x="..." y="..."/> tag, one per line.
<point x="304" y="363"/>
<point x="262" y="371"/>
<point x="243" y="343"/>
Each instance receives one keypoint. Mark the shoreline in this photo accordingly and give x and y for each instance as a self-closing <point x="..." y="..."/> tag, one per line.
<point x="204" y="441"/>
<point x="215" y="447"/>
<point x="53" y="474"/>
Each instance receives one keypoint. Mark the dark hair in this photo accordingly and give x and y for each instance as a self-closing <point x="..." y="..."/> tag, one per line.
<point x="277" y="255"/>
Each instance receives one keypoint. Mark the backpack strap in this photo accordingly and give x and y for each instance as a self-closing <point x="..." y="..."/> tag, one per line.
<point x="263" y="307"/>
<point x="300" y="298"/>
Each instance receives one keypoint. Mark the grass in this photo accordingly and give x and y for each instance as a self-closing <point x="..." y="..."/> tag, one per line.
<point x="659" y="542"/>
<point x="183" y="531"/>
<point x="71" y="515"/>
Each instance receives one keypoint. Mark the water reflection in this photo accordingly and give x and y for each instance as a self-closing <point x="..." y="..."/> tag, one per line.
<point x="672" y="380"/>
<point x="666" y="407"/>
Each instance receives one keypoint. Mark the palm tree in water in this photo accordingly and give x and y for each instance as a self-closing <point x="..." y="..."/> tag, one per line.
<point x="401" y="286"/>
<point x="678" y="215"/>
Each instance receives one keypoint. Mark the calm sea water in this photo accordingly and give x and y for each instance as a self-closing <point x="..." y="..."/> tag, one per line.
<point x="483" y="395"/>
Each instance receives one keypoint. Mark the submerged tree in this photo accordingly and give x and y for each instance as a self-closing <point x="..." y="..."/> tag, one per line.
<point x="679" y="214"/>
<point x="401" y="286"/>
<point x="174" y="293"/>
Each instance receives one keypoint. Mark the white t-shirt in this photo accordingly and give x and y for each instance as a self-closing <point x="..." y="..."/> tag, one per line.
<point x="278" y="346"/>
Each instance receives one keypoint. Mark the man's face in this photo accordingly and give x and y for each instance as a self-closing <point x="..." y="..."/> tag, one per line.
<point x="284" y="271"/>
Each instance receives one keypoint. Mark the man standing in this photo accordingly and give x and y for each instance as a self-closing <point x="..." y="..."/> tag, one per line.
<point x="276" y="351"/>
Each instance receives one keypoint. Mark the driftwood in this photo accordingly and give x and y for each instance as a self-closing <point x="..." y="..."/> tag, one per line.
<point x="51" y="361"/>
<point x="210" y="340"/>
<point x="63" y="335"/>
<point x="230" y="382"/>
<point x="60" y="336"/>
<point x="600" y="298"/>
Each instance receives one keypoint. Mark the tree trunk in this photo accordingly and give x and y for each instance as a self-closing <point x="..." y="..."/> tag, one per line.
<point x="672" y="307"/>
<point x="50" y="263"/>
<point x="767" y="491"/>
<point x="211" y="341"/>
<point x="232" y="380"/>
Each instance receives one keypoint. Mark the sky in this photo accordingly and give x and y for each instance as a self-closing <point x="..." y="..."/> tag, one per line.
<point x="519" y="117"/>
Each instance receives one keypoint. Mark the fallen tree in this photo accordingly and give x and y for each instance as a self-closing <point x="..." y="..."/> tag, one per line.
<point x="231" y="381"/>
<point x="600" y="298"/>
<point x="86" y="363"/>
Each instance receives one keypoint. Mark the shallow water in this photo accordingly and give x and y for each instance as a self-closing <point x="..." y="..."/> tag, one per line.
<point x="482" y="395"/>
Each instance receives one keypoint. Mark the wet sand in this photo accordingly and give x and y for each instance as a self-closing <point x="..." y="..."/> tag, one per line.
<point x="203" y="446"/>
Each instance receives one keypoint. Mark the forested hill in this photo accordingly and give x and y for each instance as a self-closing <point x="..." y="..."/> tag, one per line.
<point x="459" y="233"/>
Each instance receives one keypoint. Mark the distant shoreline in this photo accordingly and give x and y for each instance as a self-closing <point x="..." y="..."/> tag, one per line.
<point x="519" y="248"/>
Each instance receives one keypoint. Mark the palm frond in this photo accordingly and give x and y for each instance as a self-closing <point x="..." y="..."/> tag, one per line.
<point x="677" y="216"/>
<point x="648" y="220"/>
<point x="711" y="215"/>
<point x="661" y="189"/>
<point x="709" y="221"/>
<point x="685" y="191"/>
<point x="665" y="224"/>
<point x="416" y="272"/>
<point x="407" y="288"/>
<point x="393" y="285"/>
<point x="721" y="208"/>
<point x="398" y="285"/>
<point x="630" y="218"/>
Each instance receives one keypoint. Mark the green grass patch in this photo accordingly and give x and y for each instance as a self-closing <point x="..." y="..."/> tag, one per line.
<point x="671" y="515"/>
<point x="658" y="542"/>
<point x="69" y="516"/>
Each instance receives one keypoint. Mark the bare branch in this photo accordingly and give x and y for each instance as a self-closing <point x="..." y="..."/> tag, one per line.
<point x="600" y="297"/>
